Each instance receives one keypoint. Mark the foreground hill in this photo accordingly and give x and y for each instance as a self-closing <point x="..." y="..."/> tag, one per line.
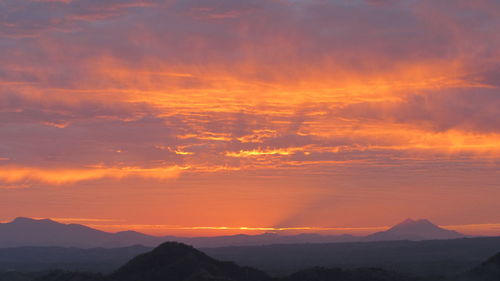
<point x="178" y="262"/>
<point x="30" y="232"/>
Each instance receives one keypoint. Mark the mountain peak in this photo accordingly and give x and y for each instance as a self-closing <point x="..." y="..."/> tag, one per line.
<point x="169" y="253"/>
<point x="411" y="224"/>
<point x="25" y="220"/>
<point x="410" y="229"/>
<point x="24" y="231"/>
<point x="22" y="220"/>
<point x="407" y="221"/>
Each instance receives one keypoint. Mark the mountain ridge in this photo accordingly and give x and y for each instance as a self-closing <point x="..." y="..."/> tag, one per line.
<point x="24" y="231"/>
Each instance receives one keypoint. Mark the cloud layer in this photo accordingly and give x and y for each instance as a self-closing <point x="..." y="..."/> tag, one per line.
<point x="93" y="90"/>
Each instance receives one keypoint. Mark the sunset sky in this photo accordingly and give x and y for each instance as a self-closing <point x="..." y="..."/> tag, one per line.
<point x="211" y="117"/>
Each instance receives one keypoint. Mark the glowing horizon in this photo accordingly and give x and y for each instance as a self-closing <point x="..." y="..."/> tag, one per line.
<point x="166" y="230"/>
<point x="467" y="229"/>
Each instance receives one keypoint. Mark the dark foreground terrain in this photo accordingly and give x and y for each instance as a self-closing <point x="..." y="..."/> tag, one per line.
<point x="423" y="258"/>
<point x="433" y="257"/>
<point x="173" y="261"/>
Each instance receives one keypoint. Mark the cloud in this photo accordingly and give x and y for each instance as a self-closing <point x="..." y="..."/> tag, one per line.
<point x="26" y="18"/>
<point x="59" y="176"/>
<point x="469" y="110"/>
<point x="235" y="85"/>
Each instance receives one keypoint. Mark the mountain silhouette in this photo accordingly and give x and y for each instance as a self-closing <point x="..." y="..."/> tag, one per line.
<point x="45" y="232"/>
<point x="414" y="230"/>
<point x="23" y="232"/>
<point x="178" y="262"/>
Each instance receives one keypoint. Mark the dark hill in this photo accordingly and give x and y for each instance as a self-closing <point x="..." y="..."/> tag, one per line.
<point x="178" y="262"/>
<point x="488" y="270"/>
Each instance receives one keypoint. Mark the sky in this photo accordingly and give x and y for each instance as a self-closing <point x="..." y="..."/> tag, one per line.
<point x="213" y="117"/>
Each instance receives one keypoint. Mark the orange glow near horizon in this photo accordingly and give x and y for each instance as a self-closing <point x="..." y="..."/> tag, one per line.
<point x="487" y="229"/>
<point x="198" y="231"/>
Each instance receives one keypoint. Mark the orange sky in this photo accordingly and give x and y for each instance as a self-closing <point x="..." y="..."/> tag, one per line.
<point x="340" y="116"/>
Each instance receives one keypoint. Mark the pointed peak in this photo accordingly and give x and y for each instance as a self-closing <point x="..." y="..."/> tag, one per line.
<point x="421" y="229"/>
<point x="411" y="222"/>
<point x="407" y="221"/>
<point x="414" y="225"/>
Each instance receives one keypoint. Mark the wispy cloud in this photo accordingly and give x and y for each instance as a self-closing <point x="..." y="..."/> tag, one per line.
<point x="13" y="174"/>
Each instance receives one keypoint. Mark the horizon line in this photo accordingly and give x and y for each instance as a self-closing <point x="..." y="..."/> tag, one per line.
<point x="158" y="227"/>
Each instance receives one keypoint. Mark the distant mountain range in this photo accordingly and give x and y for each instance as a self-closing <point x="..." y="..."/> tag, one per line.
<point x="46" y="232"/>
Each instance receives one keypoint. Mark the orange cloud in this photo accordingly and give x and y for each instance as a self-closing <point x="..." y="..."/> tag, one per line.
<point x="13" y="174"/>
<point x="263" y="152"/>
